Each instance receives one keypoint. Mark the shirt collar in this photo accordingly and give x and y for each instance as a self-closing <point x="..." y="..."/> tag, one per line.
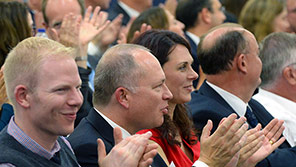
<point x="235" y="102"/>
<point x="130" y="11"/>
<point x="125" y="133"/>
<point x="194" y="38"/>
<point x="28" y="142"/>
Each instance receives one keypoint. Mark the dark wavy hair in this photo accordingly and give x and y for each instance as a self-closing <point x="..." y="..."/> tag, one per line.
<point x="162" y="43"/>
<point x="14" y="26"/>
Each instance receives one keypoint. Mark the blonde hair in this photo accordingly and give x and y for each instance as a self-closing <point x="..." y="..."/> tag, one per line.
<point x="24" y="61"/>
<point x="257" y="16"/>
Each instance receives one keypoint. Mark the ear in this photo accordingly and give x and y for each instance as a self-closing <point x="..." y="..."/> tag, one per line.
<point x="241" y="63"/>
<point x="290" y="75"/>
<point x="122" y="96"/>
<point x="51" y="33"/>
<point x="21" y="94"/>
<point x="206" y="16"/>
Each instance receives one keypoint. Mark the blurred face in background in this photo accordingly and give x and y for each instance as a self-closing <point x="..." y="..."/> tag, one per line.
<point x="291" y="8"/>
<point x="280" y="22"/>
<point x="217" y="15"/>
<point x="175" y="25"/>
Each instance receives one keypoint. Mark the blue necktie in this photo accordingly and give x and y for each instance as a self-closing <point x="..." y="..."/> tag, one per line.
<point x="251" y="118"/>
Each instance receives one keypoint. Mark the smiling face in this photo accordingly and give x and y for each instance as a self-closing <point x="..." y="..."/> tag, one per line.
<point x="56" y="99"/>
<point x="179" y="74"/>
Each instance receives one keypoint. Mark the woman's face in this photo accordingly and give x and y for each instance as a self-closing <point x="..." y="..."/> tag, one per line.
<point x="280" y="22"/>
<point x="179" y="74"/>
<point x="30" y="21"/>
<point x="175" y="25"/>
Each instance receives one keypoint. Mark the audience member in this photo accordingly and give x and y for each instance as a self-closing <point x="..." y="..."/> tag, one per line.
<point x="262" y="17"/>
<point x="199" y="17"/>
<point x="74" y="33"/>
<point x="15" y="25"/>
<point x="278" y="56"/>
<point x="291" y="8"/>
<point x="229" y="57"/>
<point x="45" y="109"/>
<point x="157" y="18"/>
<point x="129" y="83"/>
<point x="177" y="139"/>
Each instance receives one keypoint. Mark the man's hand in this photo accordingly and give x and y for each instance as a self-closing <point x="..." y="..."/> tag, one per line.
<point x="225" y="143"/>
<point x="131" y="152"/>
<point x="92" y="26"/>
<point x="271" y="141"/>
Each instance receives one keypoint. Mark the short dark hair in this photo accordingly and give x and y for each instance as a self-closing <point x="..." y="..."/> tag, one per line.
<point x="187" y="11"/>
<point x="219" y="57"/>
<point x="161" y="43"/>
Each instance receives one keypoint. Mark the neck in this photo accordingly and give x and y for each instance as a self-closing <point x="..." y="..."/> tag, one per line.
<point x="133" y="5"/>
<point x="172" y="107"/>
<point x="44" y="139"/>
<point x="199" y="30"/>
<point x="233" y="86"/>
<point x="283" y="89"/>
<point x="118" y="116"/>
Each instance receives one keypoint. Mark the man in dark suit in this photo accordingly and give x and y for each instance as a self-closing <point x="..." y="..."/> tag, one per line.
<point x="229" y="57"/>
<point x="129" y="84"/>
<point x="129" y="9"/>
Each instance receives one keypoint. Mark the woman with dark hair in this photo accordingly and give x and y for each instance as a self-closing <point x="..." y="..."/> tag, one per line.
<point x="176" y="137"/>
<point x="15" y="26"/>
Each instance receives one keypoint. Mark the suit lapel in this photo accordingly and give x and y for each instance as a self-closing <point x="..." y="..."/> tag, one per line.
<point x="101" y="125"/>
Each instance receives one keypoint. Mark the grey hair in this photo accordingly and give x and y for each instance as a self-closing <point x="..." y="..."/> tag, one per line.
<point x="278" y="50"/>
<point x="117" y="68"/>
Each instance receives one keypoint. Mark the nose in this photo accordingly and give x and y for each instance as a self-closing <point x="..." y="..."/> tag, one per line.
<point x="192" y="74"/>
<point x="167" y="95"/>
<point x="75" y="98"/>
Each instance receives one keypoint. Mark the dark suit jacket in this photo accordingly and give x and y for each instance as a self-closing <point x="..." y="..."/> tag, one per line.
<point x="84" y="140"/>
<point x="195" y="64"/>
<point x="86" y="93"/>
<point x="208" y="104"/>
<point x="115" y="10"/>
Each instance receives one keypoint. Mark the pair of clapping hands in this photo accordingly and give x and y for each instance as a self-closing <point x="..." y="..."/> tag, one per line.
<point x="232" y="144"/>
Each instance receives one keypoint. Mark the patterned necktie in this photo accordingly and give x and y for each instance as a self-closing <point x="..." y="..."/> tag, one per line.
<point x="251" y="118"/>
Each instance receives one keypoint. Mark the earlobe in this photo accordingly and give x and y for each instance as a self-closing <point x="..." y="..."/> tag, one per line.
<point x="290" y="75"/>
<point x="121" y="95"/>
<point x="21" y="96"/>
<point x="241" y="63"/>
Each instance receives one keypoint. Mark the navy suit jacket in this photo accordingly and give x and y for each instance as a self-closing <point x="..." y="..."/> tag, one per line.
<point x="115" y="10"/>
<point x="208" y="104"/>
<point x="195" y="64"/>
<point x="84" y="140"/>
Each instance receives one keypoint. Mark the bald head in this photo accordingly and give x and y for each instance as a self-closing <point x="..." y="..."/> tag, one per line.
<point x="219" y="47"/>
<point x="122" y="65"/>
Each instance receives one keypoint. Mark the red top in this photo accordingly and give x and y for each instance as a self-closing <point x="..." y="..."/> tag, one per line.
<point x="175" y="153"/>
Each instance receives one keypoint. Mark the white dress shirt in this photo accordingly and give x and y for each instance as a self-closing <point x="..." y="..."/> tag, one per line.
<point x="194" y="38"/>
<point x="281" y="108"/>
<point x="130" y="11"/>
